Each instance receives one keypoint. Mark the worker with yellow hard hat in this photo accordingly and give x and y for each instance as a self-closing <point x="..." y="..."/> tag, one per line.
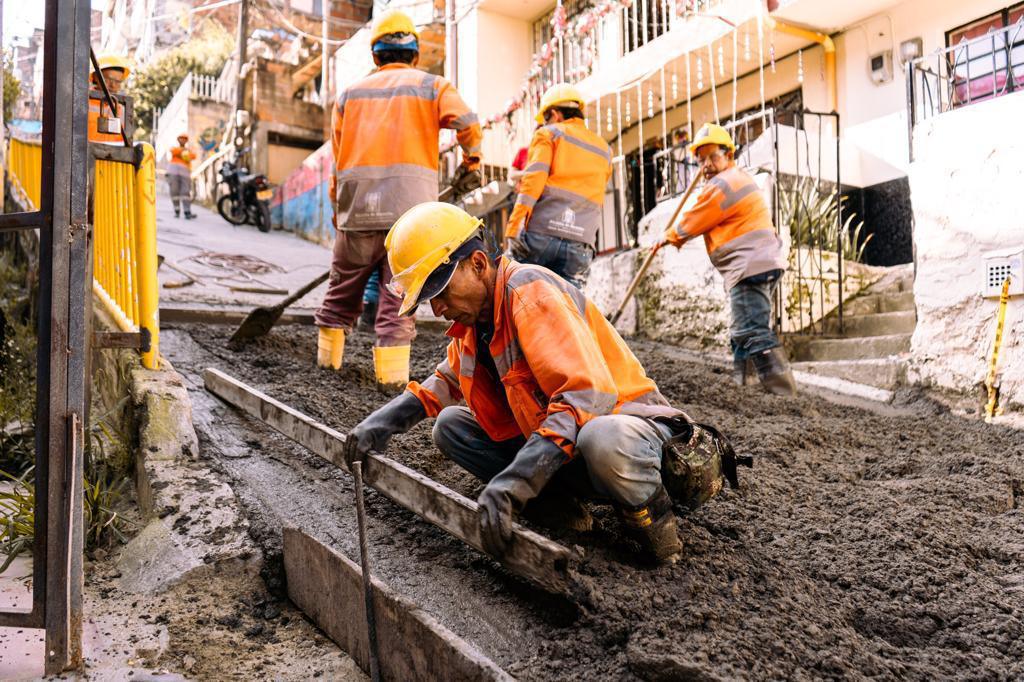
<point x="536" y="388"/>
<point x="105" y="124"/>
<point x="732" y="215"/>
<point x="385" y="145"/>
<point x="561" y="192"/>
<point x="179" y="176"/>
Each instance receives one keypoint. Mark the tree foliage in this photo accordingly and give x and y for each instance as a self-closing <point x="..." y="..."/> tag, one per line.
<point x="12" y="87"/>
<point x="153" y="85"/>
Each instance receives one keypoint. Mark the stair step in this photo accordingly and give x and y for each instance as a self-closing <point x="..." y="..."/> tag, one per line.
<point x="879" y="303"/>
<point x="877" y="372"/>
<point x="857" y="348"/>
<point x="874" y="324"/>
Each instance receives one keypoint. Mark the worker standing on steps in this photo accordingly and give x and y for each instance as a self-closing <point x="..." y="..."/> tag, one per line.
<point x="561" y="194"/>
<point x="743" y="245"/>
<point x="105" y="124"/>
<point x="552" y="392"/>
<point x="385" y="145"/>
<point x="179" y="177"/>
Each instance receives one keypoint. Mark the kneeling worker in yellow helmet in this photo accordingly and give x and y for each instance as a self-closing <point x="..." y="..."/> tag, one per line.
<point x="385" y="146"/>
<point x="732" y="215"/>
<point x="561" y="194"/>
<point x="552" y="393"/>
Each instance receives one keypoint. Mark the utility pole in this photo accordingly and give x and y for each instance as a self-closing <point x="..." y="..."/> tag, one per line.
<point x="325" y="71"/>
<point x="243" y="36"/>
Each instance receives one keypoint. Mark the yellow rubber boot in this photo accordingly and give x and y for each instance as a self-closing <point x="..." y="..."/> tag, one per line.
<point x="391" y="364"/>
<point x="330" y="347"/>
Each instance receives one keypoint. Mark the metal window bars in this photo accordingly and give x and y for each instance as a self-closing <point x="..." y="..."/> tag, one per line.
<point x="971" y="71"/>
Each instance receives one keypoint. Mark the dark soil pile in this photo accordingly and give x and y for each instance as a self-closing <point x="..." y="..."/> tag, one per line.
<point x="861" y="544"/>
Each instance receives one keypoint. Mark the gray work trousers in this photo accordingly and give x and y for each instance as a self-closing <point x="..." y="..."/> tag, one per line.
<point x="180" y="187"/>
<point x="618" y="456"/>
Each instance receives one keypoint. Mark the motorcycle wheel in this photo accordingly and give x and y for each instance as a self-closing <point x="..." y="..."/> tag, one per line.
<point x="263" y="216"/>
<point x="230" y="211"/>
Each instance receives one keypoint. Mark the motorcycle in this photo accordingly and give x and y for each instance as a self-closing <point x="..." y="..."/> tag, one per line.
<point x="248" y="197"/>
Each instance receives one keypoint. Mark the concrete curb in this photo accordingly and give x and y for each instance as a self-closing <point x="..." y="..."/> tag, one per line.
<point x="194" y="524"/>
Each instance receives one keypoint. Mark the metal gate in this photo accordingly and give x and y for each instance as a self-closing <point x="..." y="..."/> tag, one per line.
<point x="63" y="340"/>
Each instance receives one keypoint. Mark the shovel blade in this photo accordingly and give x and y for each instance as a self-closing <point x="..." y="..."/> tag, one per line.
<point x="256" y="324"/>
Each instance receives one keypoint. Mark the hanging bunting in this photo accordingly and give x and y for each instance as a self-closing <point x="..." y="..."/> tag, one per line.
<point x="799" y="66"/>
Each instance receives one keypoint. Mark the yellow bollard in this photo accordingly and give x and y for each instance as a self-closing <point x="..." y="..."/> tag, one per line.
<point x="145" y="223"/>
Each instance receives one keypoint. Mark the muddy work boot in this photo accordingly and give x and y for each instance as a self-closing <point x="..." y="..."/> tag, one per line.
<point x="774" y="373"/>
<point x="743" y="372"/>
<point x="653" y="525"/>
<point x="330" y="347"/>
<point x="558" y="511"/>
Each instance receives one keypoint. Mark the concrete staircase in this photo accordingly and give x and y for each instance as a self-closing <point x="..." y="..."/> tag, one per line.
<point x="877" y="326"/>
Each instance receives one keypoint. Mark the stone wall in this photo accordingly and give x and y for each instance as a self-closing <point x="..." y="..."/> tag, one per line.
<point x="965" y="179"/>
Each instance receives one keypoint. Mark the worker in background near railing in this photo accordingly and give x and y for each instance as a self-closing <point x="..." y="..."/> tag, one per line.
<point x="733" y="216"/>
<point x="385" y="144"/>
<point x="179" y="177"/>
<point x="105" y="125"/>
<point x="561" y="194"/>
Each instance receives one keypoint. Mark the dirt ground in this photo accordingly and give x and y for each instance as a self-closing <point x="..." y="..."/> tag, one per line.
<point x="861" y="545"/>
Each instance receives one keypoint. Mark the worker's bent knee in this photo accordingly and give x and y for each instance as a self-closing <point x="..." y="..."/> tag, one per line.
<point x="448" y="428"/>
<point x="623" y="456"/>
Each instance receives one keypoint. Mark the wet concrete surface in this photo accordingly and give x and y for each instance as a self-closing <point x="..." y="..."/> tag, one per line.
<point x="887" y="544"/>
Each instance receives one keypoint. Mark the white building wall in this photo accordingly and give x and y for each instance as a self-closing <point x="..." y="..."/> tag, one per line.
<point x="964" y="182"/>
<point x="874" y="116"/>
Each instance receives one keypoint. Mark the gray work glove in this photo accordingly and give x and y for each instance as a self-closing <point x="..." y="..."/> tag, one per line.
<point x="516" y="248"/>
<point x="466" y="180"/>
<point x="373" y="433"/>
<point x="508" y="492"/>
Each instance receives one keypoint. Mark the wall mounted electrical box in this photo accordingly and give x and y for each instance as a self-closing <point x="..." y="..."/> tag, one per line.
<point x="880" y="66"/>
<point x="998" y="265"/>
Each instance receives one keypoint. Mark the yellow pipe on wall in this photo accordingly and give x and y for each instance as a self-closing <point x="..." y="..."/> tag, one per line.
<point x="830" y="54"/>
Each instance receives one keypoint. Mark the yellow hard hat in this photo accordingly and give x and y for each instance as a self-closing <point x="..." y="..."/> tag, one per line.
<point x="112" y="61"/>
<point x="392" y="21"/>
<point x="420" y="247"/>
<point x="712" y="133"/>
<point x="559" y="95"/>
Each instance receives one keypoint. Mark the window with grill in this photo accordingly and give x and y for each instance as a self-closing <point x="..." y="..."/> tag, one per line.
<point x="988" y="59"/>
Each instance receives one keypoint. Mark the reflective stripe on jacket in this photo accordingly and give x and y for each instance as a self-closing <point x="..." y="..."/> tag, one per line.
<point x="562" y="191"/>
<point x="385" y="144"/>
<point x="734" y="218"/>
<point x="98" y="108"/>
<point x="181" y="162"/>
<point x="561" y="364"/>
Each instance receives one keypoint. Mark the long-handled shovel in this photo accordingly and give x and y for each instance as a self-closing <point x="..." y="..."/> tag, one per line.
<point x="260" y="320"/>
<point x="645" y="266"/>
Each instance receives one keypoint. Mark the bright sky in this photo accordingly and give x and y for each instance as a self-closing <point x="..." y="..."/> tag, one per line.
<point x="21" y="17"/>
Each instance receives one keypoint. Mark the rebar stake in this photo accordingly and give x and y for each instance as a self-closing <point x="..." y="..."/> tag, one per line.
<point x="364" y="561"/>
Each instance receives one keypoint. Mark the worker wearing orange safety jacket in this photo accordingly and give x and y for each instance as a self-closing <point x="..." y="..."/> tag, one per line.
<point x="385" y="146"/>
<point x="561" y="194"/>
<point x="551" y="391"/>
<point x="732" y="215"/>
<point x="105" y="124"/>
<point x="179" y="177"/>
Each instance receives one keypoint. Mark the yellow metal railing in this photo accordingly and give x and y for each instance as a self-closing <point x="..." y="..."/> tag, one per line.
<point x="124" y="246"/>
<point x="24" y="172"/>
<point x="124" y="235"/>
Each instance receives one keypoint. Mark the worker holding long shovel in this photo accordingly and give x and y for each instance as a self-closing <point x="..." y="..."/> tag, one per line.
<point x="732" y="215"/>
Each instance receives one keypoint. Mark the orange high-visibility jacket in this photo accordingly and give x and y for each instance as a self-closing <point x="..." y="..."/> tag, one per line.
<point x="385" y="144"/>
<point x="561" y="364"/>
<point x="562" y="191"/>
<point x="734" y="218"/>
<point x="98" y="107"/>
<point x="181" y="161"/>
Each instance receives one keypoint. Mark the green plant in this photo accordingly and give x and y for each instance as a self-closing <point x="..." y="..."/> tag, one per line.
<point x="812" y="214"/>
<point x="152" y="86"/>
<point x="17" y="516"/>
<point x="12" y="86"/>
